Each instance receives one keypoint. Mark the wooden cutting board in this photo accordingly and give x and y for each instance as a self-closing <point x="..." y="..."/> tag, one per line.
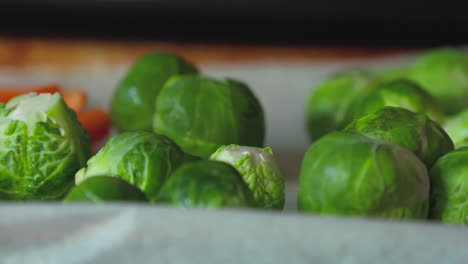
<point x="66" y="54"/>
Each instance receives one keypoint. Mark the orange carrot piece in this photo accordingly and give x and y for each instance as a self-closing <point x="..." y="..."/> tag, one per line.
<point x="97" y="122"/>
<point x="76" y="99"/>
<point x="9" y="92"/>
<point x="52" y="88"/>
<point x="6" y="95"/>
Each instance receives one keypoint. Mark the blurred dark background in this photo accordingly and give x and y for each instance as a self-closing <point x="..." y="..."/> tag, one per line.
<point x="334" y="22"/>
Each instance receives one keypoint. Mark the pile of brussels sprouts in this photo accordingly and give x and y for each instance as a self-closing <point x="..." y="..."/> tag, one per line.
<point x="184" y="139"/>
<point x="384" y="144"/>
<point x="390" y="144"/>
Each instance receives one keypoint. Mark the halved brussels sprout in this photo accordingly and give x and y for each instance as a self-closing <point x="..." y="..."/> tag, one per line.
<point x="457" y="129"/>
<point x="201" y="114"/>
<point x="104" y="189"/>
<point x="206" y="184"/>
<point x="352" y="174"/>
<point x="449" y="188"/>
<point x="133" y="100"/>
<point x="142" y="158"/>
<point x="42" y="146"/>
<point x="443" y="72"/>
<point x="328" y="106"/>
<point x="414" y="131"/>
<point x="259" y="169"/>
<point x="398" y="93"/>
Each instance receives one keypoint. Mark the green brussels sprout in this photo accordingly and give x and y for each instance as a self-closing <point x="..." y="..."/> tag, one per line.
<point x="205" y="184"/>
<point x="260" y="171"/>
<point x="352" y="174"/>
<point x="42" y="146"/>
<point x="189" y="157"/>
<point x="399" y="93"/>
<point x="457" y="129"/>
<point x="142" y="158"/>
<point x="201" y="114"/>
<point x="414" y="131"/>
<point x="104" y="188"/>
<point x="328" y="106"/>
<point x="393" y="74"/>
<point x="443" y="72"/>
<point x="132" y="106"/>
<point x="449" y="188"/>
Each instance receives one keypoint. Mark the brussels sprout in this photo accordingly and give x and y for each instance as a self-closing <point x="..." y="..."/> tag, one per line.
<point x="457" y="129"/>
<point x="206" y="184"/>
<point x="449" y="188"/>
<point x="201" y="114"/>
<point x="260" y="171"/>
<point x="398" y="93"/>
<point x="42" y="146"/>
<point x="352" y="174"/>
<point x="189" y="157"/>
<point x="329" y="104"/>
<point x="443" y="72"/>
<point x="393" y="74"/>
<point x="104" y="188"/>
<point x="133" y="100"/>
<point x="414" y="131"/>
<point x="142" y="158"/>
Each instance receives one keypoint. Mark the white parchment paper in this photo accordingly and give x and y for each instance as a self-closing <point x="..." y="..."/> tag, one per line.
<point x="79" y="234"/>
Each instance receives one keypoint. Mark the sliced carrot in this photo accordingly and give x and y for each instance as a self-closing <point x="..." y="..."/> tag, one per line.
<point x="6" y="95"/>
<point x="97" y="122"/>
<point x="10" y="91"/>
<point x="52" y="88"/>
<point x="76" y="99"/>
